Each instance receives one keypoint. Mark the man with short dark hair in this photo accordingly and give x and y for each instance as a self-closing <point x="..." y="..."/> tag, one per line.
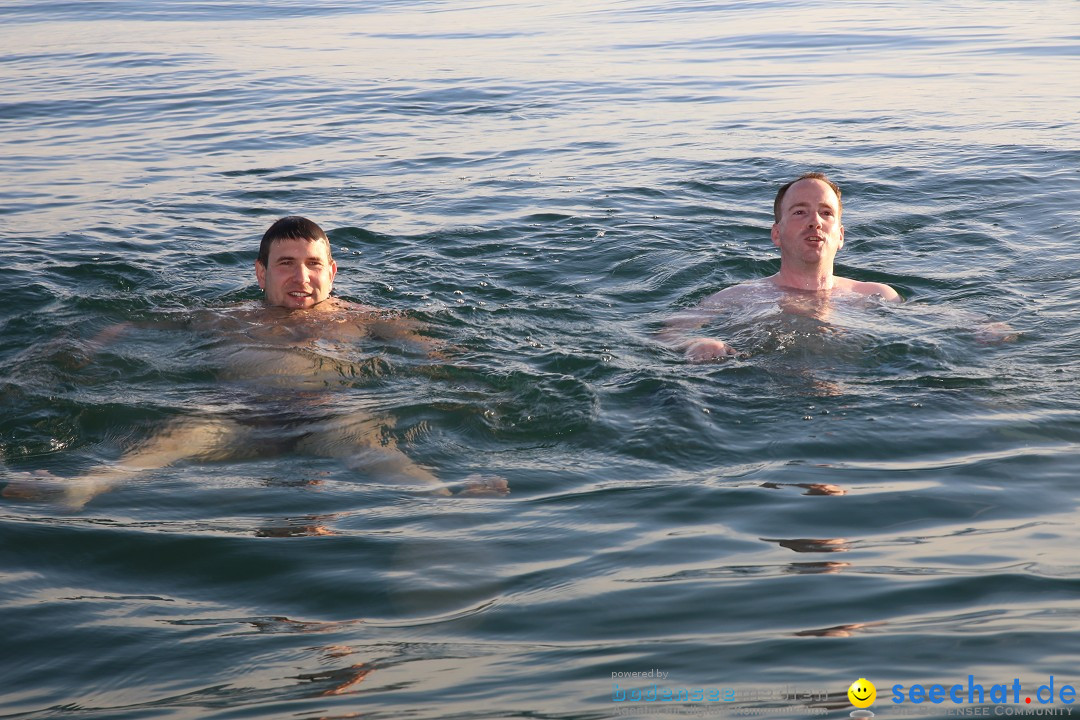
<point x="809" y="232"/>
<point x="295" y="267"/>
<point x="302" y="399"/>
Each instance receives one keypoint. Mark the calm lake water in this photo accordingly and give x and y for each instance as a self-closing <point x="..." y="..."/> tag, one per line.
<point x="879" y="493"/>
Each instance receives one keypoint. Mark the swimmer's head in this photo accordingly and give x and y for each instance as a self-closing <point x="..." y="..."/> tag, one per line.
<point x="294" y="267"/>
<point x="779" y="202"/>
<point x="293" y="227"/>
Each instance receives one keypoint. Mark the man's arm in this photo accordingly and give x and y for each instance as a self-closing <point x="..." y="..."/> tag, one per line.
<point x="403" y="331"/>
<point x="114" y="332"/>
<point x="985" y="330"/>
<point x="678" y="332"/>
<point x="99" y="342"/>
<point x="996" y="333"/>
<point x="886" y="292"/>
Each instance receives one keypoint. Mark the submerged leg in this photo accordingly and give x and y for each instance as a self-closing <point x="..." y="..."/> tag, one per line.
<point x="359" y="441"/>
<point x="189" y="438"/>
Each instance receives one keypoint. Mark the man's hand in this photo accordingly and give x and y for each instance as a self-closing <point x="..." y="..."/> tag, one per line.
<point x="707" y="350"/>
<point x="995" y="333"/>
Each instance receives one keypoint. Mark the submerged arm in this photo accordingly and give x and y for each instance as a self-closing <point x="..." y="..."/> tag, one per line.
<point x="405" y="332"/>
<point x="111" y="334"/>
<point x="985" y="330"/>
<point x="679" y="333"/>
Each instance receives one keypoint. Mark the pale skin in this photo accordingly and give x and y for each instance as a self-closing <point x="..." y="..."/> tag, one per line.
<point x="808" y="233"/>
<point x="298" y="312"/>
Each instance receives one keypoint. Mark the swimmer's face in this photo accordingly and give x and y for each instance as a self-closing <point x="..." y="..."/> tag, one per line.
<point x="299" y="273"/>
<point x="809" y="230"/>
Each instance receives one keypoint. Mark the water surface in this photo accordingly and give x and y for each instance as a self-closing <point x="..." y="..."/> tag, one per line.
<point x="879" y="493"/>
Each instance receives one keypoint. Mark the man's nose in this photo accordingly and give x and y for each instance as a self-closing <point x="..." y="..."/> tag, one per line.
<point x="303" y="272"/>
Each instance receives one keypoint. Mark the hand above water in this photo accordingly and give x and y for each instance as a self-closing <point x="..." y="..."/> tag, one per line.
<point x="708" y="350"/>
<point x="995" y="333"/>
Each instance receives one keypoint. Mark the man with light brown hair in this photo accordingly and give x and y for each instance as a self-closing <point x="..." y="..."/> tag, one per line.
<point x="809" y="232"/>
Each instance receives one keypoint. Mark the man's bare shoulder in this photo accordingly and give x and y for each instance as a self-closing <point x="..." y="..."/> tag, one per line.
<point x="337" y="305"/>
<point x="392" y="325"/>
<point x="379" y="322"/>
<point x="867" y="289"/>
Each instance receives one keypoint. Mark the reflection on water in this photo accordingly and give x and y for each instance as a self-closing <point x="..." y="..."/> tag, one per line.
<point x="813" y="545"/>
<point x="307" y="526"/>
<point x="837" y="631"/>
<point x="338" y="681"/>
<point x="820" y="567"/>
<point x="811" y="488"/>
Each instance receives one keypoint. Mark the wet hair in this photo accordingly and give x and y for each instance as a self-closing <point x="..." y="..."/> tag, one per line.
<point x="292" y="227"/>
<point x="806" y="176"/>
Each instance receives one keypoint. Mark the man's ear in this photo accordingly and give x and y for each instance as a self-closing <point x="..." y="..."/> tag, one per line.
<point x="775" y="234"/>
<point x="841" y="238"/>
<point x="260" y="274"/>
<point x="333" y="271"/>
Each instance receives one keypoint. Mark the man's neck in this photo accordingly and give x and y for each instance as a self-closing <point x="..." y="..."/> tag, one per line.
<point x="813" y="279"/>
<point x="327" y="303"/>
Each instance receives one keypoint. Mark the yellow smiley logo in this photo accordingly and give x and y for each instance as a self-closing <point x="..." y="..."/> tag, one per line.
<point x="862" y="693"/>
